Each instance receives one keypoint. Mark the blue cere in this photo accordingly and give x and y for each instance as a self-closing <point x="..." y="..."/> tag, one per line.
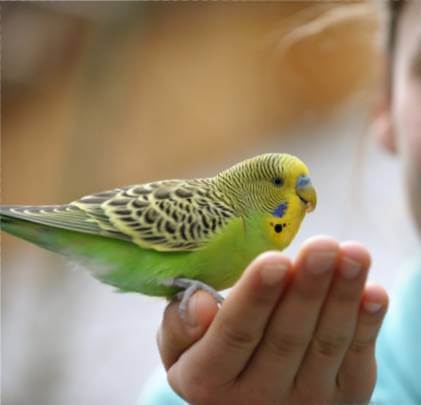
<point x="279" y="211"/>
<point x="302" y="182"/>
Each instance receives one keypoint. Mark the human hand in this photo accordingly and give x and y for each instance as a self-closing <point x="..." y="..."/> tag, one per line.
<point x="296" y="333"/>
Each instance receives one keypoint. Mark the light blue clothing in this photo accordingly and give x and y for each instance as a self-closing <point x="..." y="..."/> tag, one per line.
<point x="399" y="344"/>
<point x="157" y="391"/>
<point x="398" y="352"/>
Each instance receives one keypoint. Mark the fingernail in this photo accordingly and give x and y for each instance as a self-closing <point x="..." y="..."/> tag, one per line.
<point x="191" y="318"/>
<point x="320" y="262"/>
<point x="372" y="307"/>
<point x="350" y="268"/>
<point x="273" y="273"/>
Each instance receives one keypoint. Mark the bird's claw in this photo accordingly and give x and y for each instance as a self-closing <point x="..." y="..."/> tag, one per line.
<point x="189" y="287"/>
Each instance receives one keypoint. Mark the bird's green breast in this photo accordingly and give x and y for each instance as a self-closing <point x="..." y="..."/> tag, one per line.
<point x="219" y="263"/>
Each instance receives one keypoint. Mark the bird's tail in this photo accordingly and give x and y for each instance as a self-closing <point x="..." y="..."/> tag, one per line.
<point x="14" y="223"/>
<point x="63" y="229"/>
<point x="111" y="260"/>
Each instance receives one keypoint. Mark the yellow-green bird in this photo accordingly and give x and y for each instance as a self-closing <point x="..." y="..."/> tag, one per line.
<point x="176" y="236"/>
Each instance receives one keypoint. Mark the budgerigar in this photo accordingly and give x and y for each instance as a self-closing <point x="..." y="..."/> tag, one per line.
<point x="176" y="236"/>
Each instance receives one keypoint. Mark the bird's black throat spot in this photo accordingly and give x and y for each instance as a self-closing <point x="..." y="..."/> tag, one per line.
<point x="278" y="228"/>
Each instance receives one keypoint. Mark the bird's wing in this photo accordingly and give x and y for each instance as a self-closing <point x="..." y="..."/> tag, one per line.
<point x="173" y="215"/>
<point x="67" y="216"/>
<point x="61" y="216"/>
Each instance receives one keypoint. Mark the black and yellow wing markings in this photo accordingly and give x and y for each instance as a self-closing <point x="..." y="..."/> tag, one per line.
<point x="172" y="215"/>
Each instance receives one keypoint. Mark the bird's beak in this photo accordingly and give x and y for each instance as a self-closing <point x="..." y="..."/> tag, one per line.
<point x="306" y="192"/>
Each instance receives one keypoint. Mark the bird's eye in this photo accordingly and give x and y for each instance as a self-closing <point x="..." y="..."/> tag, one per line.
<point x="277" y="181"/>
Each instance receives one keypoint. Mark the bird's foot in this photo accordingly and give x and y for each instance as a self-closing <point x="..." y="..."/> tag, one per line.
<point x="189" y="288"/>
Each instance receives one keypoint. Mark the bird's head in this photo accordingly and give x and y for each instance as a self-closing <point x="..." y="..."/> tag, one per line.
<point x="274" y="184"/>
<point x="267" y="181"/>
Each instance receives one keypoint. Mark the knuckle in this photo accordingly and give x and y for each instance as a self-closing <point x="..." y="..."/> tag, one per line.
<point x="261" y="300"/>
<point x="309" y="292"/>
<point x="307" y="393"/>
<point x="330" y="346"/>
<point x="285" y="344"/>
<point x="192" y="387"/>
<point x="372" y="321"/>
<point x="344" y="295"/>
<point x="200" y="395"/>
<point x="237" y="339"/>
<point x="359" y="346"/>
<point x="201" y="392"/>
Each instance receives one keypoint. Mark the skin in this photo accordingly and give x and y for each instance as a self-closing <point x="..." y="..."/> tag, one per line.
<point x="398" y="122"/>
<point x="253" y="350"/>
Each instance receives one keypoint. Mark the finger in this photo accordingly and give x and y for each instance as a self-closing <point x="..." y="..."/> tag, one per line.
<point x="226" y="348"/>
<point x="357" y="374"/>
<point x="176" y="335"/>
<point x="292" y="325"/>
<point x="337" y="322"/>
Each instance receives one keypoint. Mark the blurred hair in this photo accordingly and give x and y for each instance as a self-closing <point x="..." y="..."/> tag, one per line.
<point x="395" y="10"/>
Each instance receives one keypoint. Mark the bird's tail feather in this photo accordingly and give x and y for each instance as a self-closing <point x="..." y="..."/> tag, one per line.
<point x="27" y="230"/>
<point x="113" y="261"/>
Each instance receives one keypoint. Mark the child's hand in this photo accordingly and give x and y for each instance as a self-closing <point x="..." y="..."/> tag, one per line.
<point x="301" y="333"/>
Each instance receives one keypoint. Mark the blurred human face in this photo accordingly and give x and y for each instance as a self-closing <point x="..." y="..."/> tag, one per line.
<point x="405" y="107"/>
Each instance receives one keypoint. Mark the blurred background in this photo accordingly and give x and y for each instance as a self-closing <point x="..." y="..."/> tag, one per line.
<point x="100" y="95"/>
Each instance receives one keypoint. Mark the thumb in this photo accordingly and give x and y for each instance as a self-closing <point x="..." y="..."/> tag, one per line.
<point x="176" y="335"/>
